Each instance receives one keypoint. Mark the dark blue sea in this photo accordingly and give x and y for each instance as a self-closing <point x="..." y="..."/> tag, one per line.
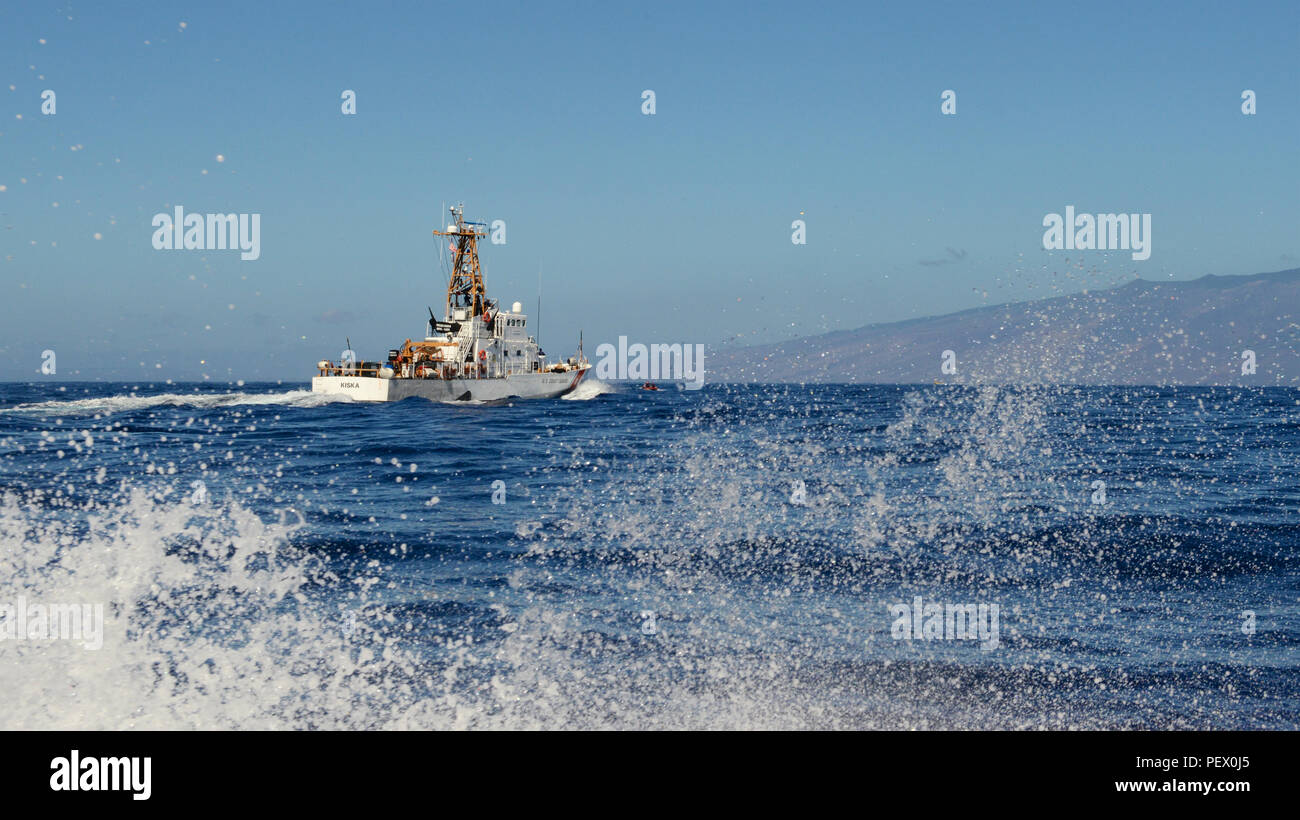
<point x="732" y="557"/>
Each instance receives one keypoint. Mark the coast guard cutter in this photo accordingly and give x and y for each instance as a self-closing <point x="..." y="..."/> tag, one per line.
<point x="479" y="353"/>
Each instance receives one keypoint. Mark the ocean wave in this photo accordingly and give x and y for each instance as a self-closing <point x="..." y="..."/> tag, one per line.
<point x="131" y="401"/>
<point x="589" y="389"/>
<point x="412" y="566"/>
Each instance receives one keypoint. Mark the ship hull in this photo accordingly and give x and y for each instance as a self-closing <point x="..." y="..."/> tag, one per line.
<point x="523" y="386"/>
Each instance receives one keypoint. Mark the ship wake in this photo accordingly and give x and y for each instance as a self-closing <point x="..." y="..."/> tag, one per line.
<point x="130" y="401"/>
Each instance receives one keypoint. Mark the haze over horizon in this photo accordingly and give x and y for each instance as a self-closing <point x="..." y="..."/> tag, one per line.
<point x="672" y="227"/>
<point x="1215" y="330"/>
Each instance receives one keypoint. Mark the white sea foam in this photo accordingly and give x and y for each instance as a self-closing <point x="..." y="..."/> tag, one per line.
<point x="131" y="401"/>
<point x="589" y="389"/>
<point x="210" y="623"/>
<point x="214" y="616"/>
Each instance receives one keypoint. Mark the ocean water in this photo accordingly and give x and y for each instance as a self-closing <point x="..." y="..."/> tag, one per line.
<point x="722" y="558"/>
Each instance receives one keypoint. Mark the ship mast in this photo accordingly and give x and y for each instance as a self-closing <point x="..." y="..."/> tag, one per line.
<point x="465" y="290"/>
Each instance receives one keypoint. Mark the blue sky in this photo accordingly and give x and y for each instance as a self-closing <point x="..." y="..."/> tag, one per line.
<point x="673" y="227"/>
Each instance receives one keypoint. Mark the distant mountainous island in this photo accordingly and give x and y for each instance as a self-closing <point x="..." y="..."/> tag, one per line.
<point x="1201" y="332"/>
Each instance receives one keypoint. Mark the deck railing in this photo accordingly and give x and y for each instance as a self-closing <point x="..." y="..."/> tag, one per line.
<point x="367" y="369"/>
